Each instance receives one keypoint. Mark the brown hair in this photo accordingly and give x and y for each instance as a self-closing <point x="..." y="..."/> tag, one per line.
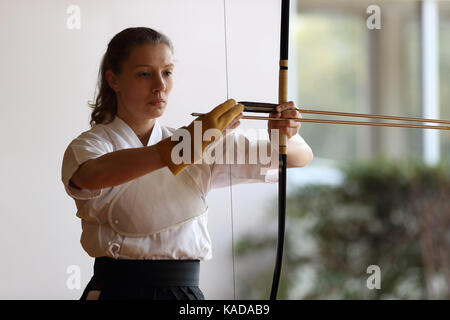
<point x="119" y="48"/>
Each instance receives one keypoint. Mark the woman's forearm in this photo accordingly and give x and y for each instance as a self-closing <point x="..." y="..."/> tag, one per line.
<point x="116" y="168"/>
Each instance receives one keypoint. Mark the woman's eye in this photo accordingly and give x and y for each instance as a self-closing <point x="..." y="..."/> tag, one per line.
<point x="168" y="73"/>
<point x="143" y="74"/>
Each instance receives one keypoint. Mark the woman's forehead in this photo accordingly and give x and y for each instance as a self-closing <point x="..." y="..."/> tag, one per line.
<point x="158" y="55"/>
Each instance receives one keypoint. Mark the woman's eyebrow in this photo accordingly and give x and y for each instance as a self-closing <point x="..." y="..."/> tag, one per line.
<point x="149" y="65"/>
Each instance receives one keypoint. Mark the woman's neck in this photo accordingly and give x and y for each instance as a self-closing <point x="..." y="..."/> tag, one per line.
<point x="142" y="128"/>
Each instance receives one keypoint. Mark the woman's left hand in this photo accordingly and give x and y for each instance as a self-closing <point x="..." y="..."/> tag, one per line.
<point x="287" y="127"/>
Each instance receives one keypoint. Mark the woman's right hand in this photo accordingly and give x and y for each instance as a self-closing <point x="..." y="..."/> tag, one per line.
<point x="235" y="123"/>
<point x="224" y="116"/>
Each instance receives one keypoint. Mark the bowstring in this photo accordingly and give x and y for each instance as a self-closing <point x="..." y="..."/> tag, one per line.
<point x="231" y="187"/>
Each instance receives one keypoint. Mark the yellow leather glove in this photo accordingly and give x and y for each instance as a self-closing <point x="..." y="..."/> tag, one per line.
<point x="219" y="118"/>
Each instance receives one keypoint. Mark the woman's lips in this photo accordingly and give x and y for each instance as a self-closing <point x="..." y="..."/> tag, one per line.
<point x="157" y="102"/>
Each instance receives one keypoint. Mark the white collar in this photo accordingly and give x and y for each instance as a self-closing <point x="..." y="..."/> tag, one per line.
<point x="125" y="130"/>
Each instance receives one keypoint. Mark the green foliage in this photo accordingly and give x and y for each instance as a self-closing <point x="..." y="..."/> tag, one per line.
<point x="395" y="215"/>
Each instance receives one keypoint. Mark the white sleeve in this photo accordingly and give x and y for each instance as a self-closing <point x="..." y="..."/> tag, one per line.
<point x="252" y="161"/>
<point x="88" y="145"/>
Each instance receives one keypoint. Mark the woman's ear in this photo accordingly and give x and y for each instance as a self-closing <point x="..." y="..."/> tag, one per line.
<point x="112" y="80"/>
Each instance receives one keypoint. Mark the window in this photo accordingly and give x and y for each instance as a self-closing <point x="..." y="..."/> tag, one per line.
<point x="332" y="75"/>
<point x="444" y="68"/>
<point x="344" y="66"/>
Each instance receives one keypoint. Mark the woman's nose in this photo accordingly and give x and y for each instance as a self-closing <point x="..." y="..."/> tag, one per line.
<point x="159" y="84"/>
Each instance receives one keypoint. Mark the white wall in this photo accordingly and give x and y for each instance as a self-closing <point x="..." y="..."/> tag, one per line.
<point x="48" y="73"/>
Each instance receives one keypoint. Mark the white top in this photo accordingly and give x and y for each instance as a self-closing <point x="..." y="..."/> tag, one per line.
<point x="190" y="240"/>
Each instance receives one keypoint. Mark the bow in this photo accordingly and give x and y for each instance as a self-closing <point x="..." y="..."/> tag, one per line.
<point x="282" y="97"/>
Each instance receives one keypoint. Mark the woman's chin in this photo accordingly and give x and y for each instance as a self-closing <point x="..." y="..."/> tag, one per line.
<point x="155" y="113"/>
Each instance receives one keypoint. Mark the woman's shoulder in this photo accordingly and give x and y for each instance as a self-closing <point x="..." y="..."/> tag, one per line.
<point x="98" y="131"/>
<point x="97" y="137"/>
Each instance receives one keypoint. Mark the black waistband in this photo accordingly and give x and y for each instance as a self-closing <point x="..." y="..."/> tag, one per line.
<point x="147" y="272"/>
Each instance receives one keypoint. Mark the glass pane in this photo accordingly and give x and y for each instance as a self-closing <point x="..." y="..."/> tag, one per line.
<point x="411" y="73"/>
<point x="444" y="67"/>
<point x="332" y="75"/>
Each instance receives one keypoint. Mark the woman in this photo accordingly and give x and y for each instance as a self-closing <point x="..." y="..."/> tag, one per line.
<point x="143" y="212"/>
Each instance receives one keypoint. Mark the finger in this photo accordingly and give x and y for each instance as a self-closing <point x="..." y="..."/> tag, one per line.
<point x="231" y="114"/>
<point x="291" y="114"/>
<point x="239" y="117"/>
<point x="285" y="106"/>
<point x="222" y="108"/>
<point x="235" y="125"/>
<point x="285" y="127"/>
<point x="285" y="124"/>
<point x="285" y="121"/>
<point x="275" y="114"/>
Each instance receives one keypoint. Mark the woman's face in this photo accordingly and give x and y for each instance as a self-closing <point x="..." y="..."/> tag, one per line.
<point x="144" y="83"/>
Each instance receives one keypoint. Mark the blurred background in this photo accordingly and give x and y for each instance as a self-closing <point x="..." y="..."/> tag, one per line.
<point x="371" y="196"/>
